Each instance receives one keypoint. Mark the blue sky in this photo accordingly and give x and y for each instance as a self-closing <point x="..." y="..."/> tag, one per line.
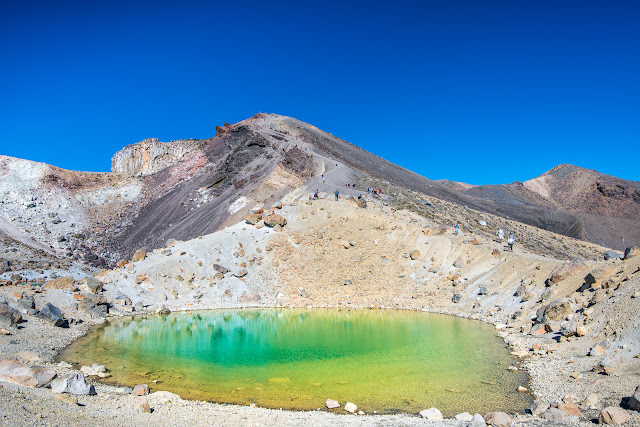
<point x="479" y="92"/>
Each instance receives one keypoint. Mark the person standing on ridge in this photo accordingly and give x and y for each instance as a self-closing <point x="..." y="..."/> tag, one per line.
<point x="501" y="235"/>
<point x="511" y="240"/>
<point x="337" y="194"/>
<point x="456" y="229"/>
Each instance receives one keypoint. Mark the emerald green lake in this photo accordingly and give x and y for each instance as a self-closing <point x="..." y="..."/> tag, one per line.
<point x="382" y="360"/>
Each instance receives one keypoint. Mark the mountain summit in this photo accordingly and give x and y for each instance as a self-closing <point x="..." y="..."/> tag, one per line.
<point x="183" y="189"/>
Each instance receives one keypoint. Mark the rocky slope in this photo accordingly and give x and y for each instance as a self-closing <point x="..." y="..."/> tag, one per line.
<point x="181" y="189"/>
<point x="569" y="321"/>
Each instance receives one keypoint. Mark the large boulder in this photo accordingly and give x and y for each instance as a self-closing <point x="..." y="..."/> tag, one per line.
<point x="555" y="311"/>
<point x="332" y="404"/>
<point x="73" y="384"/>
<point x="29" y="376"/>
<point x="431" y="414"/>
<point x="350" y="407"/>
<point x="498" y="419"/>
<point x="556" y="416"/>
<point x="253" y="218"/>
<point x="275" y="219"/>
<point x="220" y="269"/>
<point x="26" y="302"/>
<point x="52" y="314"/>
<point x="477" y="421"/>
<point x="415" y="254"/>
<point x="613" y="415"/>
<point x="562" y="272"/>
<point x="631" y="251"/>
<point x="139" y="255"/>
<point x="634" y="401"/>
<point x="66" y="282"/>
<point x="612" y="255"/>
<point x="91" y="309"/>
<point x="141" y="390"/>
<point x="92" y="284"/>
<point x="8" y="315"/>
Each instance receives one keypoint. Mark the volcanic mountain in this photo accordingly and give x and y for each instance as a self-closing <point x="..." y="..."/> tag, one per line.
<point x="183" y="189"/>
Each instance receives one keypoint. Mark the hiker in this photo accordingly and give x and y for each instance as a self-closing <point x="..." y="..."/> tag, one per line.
<point x="456" y="229"/>
<point x="501" y="235"/>
<point x="315" y="195"/>
<point x="337" y="194"/>
<point x="323" y="178"/>
<point x="359" y="196"/>
<point x="511" y="240"/>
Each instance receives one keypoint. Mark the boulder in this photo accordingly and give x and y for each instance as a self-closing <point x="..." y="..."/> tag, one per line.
<point x="162" y="310"/>
<point x="613" y="415"/>
<point x="141" y="390"/>
<point x="139" y="255"/>
<point x="275" y="219"/>
<point x="350" y="407"/>
<point x="8" y="315"/>
<point x="92" y="284"/>
<point x="498" y="419"/>
<point x="569" y="408"/>
<point x="93" y="370"/>
<point x="631" y="251"/>
<point x="606" y="365"/>
<point x="73" y="384"/>
<point x="464" y="417"/>
<point x="253" y="218"/>
<point x="482" y="290"/>
<point x="415" y="254"/>
<point x="554" y="311"/>
<point x="568" y="329"/>
<point x="477" y="421"/>
<point x="590" y="402"/>
<point x="91" y="309"/>
<point x="634" y="401"/>
<point x="332" y="404"/>
<point x="431" y="414"/>
<point x="556" y="416"/>
<point x="562" y="272"/>
<point x="220" y="269"/>
<point x="456" y="298"/>
<point x="538" y="408"/>
<point x="15" y="372"/>
<point x="143" y="405"/>
<point x="66" y="282"/>
<point x="612" y="255"/>
<point x="53" y="315"/>
<point x="26" y="303"/>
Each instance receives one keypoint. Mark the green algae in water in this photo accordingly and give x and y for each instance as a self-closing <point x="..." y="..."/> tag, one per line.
<point x="386" y="361"/>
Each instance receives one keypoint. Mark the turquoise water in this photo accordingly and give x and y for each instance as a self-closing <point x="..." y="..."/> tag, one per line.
<point x="382" y="360"/>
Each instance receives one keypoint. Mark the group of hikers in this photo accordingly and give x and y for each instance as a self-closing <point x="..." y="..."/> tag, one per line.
<point x="511" y="239"/>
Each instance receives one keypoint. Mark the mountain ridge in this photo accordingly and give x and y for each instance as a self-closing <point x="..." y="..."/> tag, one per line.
<point x="182" y="189"/>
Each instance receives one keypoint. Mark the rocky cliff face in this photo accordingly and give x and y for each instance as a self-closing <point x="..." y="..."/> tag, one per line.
<point x="150" y="156"/>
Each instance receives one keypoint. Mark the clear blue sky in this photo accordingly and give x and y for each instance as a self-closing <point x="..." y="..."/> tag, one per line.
<point x="472" y="91"/>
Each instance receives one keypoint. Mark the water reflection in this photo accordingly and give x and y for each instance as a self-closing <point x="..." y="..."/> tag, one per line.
<point x="383" y="360"/>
